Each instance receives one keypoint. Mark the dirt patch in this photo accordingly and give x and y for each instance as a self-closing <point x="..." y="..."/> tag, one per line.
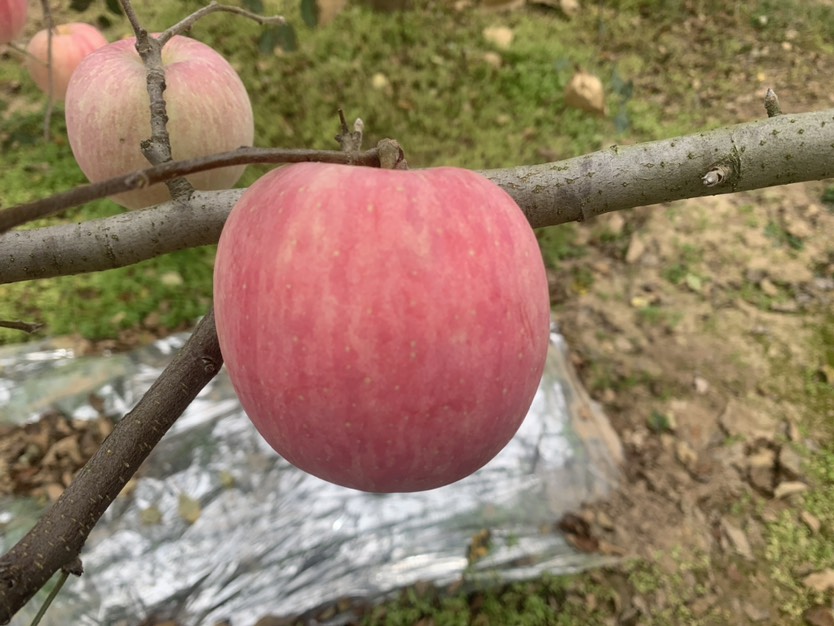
<point x="699" y="320"/>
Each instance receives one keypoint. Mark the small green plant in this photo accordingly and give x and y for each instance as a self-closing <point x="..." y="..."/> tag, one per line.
<point x="659" y="422"/>
<point x="782" y="237"/>
<point x="828" y="198"/>
<point x="653" y="315"/>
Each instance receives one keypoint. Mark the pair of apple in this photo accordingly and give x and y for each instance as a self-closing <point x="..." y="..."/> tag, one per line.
<point x="384" y="330"/>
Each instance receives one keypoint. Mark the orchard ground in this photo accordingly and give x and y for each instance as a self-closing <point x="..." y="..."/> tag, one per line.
<point x="704" y="327"/>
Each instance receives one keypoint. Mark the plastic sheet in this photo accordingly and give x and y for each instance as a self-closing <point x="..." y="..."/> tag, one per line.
<point x="220" y="527"/>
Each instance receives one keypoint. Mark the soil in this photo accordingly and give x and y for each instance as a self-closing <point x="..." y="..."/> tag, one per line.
<point x="693" y="373"/>
<point x="695" y="332"/>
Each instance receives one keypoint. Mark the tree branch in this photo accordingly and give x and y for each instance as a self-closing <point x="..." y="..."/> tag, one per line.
<point x="186" y="24"/>
<point x="115" y="241"/>
<point x="57" y="539"/>
<point x="25" y="327"/>
<point x="776" y="151"/>
<point x="17" y="215"/>
<point x="50" y="75"/>
<point x="156" y="149"/>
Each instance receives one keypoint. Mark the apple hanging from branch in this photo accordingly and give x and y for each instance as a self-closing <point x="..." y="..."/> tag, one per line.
<point x="108" y="114"/>
<point x="70" y="44"/>
<point x="384" y="330"/>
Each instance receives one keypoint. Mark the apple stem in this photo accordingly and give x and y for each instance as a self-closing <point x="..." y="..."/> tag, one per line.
<point x="157" y="149"/>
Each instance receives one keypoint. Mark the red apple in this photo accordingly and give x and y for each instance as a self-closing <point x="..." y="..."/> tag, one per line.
<point x="12" y="19"/>
<point x="70" y="44"/>
<point x="384" y="330"/>
<point x="108" y="114"/>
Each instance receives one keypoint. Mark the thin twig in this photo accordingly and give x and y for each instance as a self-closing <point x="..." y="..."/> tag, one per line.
<point x="62" y="578"/>
<point x="26" y="327"/>
<point x="186" y="24"/>
<point x="17" y="215"/>
<point x="23" y="52"/>
<point x="157" y="148"/>
<point x="50" y="89"/>
<point x="131" y="16"/>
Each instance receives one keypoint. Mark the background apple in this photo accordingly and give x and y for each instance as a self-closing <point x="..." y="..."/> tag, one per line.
<point x="12" y="19"/>
<point x="70" y="44"/>
<point x="384" y="330"/>
<point x="107" y="112"/>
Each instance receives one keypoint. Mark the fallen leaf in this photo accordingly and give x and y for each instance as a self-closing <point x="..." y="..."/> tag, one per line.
<point x="493" y="59"/>
<point x="789" y="488"/>
<point x="569" y="8"/>
<point x="499" y="36"/>
<point x="820" y="581"/>
<point x="189" y="508"/>
<point x="811" y="521"/>
<point x="329" y="9"/>
<point x="150" y="516"/>
<point x="502" y="5"/>
<point x="380" y="82"/>
<point x="737" y="539"/>
<point x="585" y="92"/>
<point x="819" y="616"/>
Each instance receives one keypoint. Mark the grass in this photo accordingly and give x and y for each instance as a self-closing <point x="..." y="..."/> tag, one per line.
<point x="793" y="550"/>
<point x="520" y="604"/>
<point x="161" y="294"/>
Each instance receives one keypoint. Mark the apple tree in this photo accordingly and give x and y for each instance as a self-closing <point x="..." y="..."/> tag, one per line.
<point x="424" y="276"/>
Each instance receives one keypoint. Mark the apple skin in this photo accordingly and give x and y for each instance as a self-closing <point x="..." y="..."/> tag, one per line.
<point x="70" y="44"/>
<point x="13" y="14"/>
<point x="384" y="330"/>
<point x="108" y="114"/>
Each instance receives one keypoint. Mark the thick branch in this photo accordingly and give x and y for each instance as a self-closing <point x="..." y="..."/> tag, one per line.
<point x="116" y="241"/>
<point x="57" y="538"/>
<point x="776" y="151"/>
